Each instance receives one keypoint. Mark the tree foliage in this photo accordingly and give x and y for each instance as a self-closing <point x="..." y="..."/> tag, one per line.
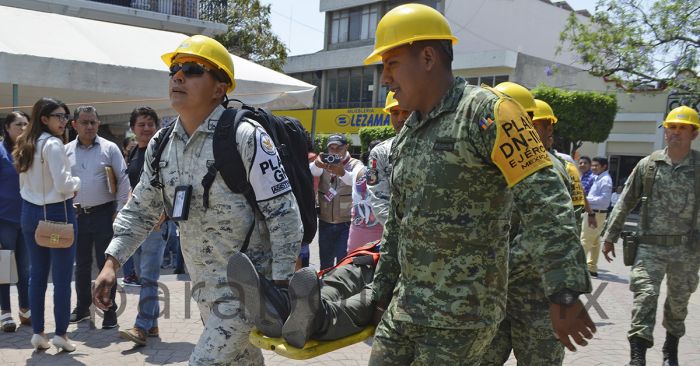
<point x="249" y="33"/>
<point x="640" y="44"/>
<point x="583" y="116"/>
<point x="369" y="134"/>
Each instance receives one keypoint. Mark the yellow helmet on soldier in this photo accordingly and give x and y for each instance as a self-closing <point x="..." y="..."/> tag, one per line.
<point x="208" y="49"/>
<point x="406" y="24"/>
<point x="544" y="111"/>
<point x="683" y="114"/>
<point x="391" y="102"/>
<point x="519" y="93"/>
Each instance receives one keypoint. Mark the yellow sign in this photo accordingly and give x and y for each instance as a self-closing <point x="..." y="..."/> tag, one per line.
<point x="339" y="120"/>
<point x="576" y="186"/>
<point x="518" y="150"/>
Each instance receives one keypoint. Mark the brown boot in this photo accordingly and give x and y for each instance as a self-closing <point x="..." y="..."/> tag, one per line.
<point x="153" y="332"/>
<point x="136" y="335"/>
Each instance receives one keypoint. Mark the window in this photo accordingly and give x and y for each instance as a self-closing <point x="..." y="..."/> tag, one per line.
<point x="354" y="24"/>
<point x="350" y="88"/>
<point x="311" y="77"/>
<point x="488" y="80"/>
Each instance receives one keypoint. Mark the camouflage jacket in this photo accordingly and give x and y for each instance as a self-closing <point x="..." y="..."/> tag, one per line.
<point x="457" y="174"/>
<point x="210" y="236"/>
<point x="380" y="192"/>
<point x="670" y="207"/>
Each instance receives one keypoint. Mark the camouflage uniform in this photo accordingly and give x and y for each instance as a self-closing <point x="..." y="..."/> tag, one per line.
<point x="665" y="246"/>
<point x="526" y="329"/>
<point x="210" y="236"/>
<point x="444" y="253"/>
<point x="380" y="192"/>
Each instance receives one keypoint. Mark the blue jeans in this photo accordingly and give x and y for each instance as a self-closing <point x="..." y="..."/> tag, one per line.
<point x="41" y="259"/>
<point x="332" y="242"/>
<point x="173" y="244"/>
<point x="11" y="238"/>
<point x="150" y="259"/>
<point x="95" y="232"/>
<point x="128" y="267"/>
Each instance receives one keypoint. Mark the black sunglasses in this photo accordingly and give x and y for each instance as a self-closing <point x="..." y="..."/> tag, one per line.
<point x="192" y="69"/>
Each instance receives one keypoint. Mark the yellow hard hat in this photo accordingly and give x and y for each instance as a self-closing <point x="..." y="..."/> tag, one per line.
<point x="519" y="93"/>
<point x="208" y="49"/>
<point x="391" y="102"/>
<point x="544" y="111"/>
<point x="683" y="114"/>
<point x="406" y="24"/>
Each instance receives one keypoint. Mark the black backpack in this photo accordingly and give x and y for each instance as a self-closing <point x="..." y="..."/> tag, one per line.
<point x="292" y="142"/>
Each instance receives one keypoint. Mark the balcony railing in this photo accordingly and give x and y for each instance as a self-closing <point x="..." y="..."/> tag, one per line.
<point x="195" y="9"/>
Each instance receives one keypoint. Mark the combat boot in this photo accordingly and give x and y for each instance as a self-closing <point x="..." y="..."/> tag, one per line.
<point x="670" y="350"/>
<point x="308" y="312"/>
<point x="638" y="351"/>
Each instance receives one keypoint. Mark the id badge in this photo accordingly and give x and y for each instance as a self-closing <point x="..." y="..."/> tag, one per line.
<point x="330" y="194"/>
<point x="181" y="203"/>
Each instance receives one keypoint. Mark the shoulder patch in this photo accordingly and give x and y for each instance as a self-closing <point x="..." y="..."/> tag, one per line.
<point x="518" y="151"/>
<point x="267" y="175"/>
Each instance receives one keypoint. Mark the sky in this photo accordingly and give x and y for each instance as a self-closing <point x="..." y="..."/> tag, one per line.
<point x="299" y="24"/>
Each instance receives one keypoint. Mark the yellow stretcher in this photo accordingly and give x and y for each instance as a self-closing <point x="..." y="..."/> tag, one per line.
<point x="311" y="349"/>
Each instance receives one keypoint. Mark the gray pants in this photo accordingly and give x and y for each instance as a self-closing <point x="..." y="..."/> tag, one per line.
<point x="347" y="297"/>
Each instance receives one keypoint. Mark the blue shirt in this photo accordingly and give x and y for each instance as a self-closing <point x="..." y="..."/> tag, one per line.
<point x="587" y="181"/>
<point x="9" y="188"/>
<point x="601" y="191"/>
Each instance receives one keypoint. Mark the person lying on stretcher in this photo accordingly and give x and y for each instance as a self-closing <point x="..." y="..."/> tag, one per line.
<point x="334" y="306"/>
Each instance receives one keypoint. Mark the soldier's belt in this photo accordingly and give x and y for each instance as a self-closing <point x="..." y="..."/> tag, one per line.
<point x="667" y="240"/>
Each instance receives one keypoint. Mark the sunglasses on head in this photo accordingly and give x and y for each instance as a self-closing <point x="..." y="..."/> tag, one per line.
<point x="192" y="69"/>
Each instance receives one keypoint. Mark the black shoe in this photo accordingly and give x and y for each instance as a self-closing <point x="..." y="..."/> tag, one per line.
<point x="638" y="351"/>
<point x="305" y="294"/>
<point x="670" y="350"/>
<point x="110" y="319"/>
<point x="76" y="316"/>
<point x="245" y="282"/>
<point x="593" y="274"/>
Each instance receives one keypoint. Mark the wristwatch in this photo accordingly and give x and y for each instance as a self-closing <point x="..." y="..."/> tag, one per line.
<point x="564" y="297"/>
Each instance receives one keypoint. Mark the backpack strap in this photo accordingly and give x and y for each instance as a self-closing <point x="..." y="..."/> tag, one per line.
<point x="161" y="141"/>
<point x="228" y="163"/>
<point x="695" y="231"/>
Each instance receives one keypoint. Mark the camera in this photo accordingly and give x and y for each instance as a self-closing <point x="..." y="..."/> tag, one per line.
<point x="330" y="158"/>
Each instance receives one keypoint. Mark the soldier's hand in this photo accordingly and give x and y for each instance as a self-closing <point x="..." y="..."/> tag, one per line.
<point x="571" y="321"/>
<point x="377" y="314"/>
<point x="104" y="283"/>
<point x="608" y="248"/>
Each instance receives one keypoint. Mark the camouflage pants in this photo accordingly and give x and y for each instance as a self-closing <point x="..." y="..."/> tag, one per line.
<point x="224" y="340"/>
<point x="527" y="329"/>
<point x="680" y="265"/>
<point x="402" y="343"/>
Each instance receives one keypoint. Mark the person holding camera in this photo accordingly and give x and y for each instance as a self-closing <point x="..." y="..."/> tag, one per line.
<point x="336" y="169"/>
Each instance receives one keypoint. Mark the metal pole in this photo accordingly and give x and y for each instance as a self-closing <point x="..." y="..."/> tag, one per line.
<point x="313" y="117"/>
<point x="15" y="97"/>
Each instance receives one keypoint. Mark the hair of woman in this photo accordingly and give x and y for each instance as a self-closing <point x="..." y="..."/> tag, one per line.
<point x="23" y="153"/>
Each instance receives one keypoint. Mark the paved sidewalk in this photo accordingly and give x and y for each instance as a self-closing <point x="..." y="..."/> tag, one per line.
<point x="180" y="327"/>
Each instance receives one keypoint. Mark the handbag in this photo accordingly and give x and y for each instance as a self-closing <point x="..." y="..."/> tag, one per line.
<point x="53" y="234"/>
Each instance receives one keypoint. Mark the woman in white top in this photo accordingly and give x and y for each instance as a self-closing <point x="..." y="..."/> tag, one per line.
<point x="46" y="180"/>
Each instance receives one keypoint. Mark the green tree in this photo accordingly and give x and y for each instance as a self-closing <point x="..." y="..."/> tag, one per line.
<point x="638" y="43"/>
<point x="249" y="33"/>
<point x="582" y="116"/>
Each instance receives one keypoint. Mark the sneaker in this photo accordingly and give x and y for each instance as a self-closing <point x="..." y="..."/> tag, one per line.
<point x="25" y="317"/>
<point x="7" y="324"/>
<point x="131" y="280"/>
<point x="153" y="332"/>
<point x="77" y="316"/>
<point x="110" y="319"/>
<point x="135" y="334"/>
<point x="305" y="295"/>
<point x="244" y="281"/>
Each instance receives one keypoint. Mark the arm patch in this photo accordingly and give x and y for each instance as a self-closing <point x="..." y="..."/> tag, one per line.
<point x="518" y="151"/>
<point x="267" y="175"/>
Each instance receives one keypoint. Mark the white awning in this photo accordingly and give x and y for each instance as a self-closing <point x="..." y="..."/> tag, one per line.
<point x="113" y="66"/>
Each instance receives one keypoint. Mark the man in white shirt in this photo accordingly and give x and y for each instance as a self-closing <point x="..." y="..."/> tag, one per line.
<point x="96" y="205"/>
<point x="336" y="169"/>
<point x="599" y="200"/>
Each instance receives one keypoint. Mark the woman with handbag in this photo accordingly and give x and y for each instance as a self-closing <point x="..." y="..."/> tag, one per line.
<point x="10" y="232"/>
<point x="48" y="218"/>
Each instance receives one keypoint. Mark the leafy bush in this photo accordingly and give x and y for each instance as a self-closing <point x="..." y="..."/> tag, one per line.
<point x="369" y="134"/>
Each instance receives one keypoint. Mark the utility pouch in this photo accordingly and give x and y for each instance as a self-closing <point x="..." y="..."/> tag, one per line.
<point x="630" y="243"/>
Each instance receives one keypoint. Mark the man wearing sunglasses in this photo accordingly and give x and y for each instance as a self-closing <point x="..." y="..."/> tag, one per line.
<point x="96" y="205"/>
<point x="201" y="73"/>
